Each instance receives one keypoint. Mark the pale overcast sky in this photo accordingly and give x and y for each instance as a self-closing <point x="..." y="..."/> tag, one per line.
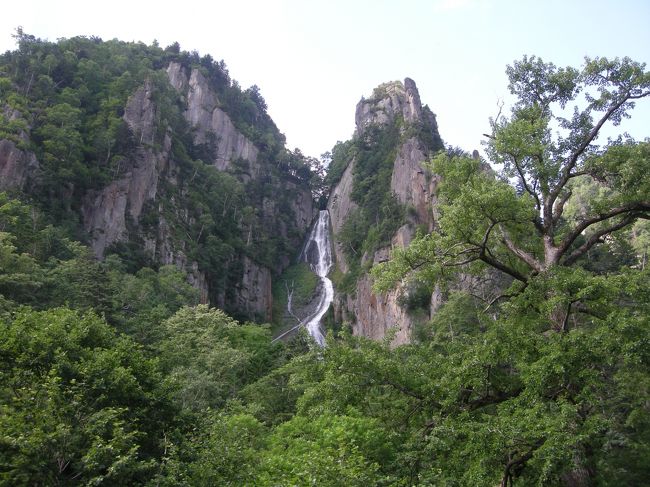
<point x="313" y="60"/>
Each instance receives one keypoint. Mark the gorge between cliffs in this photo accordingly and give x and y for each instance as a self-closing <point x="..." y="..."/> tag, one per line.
<point x="185" y="301"/>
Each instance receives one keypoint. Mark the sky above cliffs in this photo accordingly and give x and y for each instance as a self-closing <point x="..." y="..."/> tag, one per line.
<point x="313" y="60"/>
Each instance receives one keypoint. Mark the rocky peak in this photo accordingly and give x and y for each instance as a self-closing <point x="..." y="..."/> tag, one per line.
<point x="178" y="77"/>
<point x="389" y="100"/>
<point x="393" y="103"/>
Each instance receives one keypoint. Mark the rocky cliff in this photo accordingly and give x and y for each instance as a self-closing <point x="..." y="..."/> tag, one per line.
<point x="283" y="209"/>
<point x="211" y="122"/>
<point x="159" y="158"/>
<point x="17" y="165"/>
<point x="394" y="108"/>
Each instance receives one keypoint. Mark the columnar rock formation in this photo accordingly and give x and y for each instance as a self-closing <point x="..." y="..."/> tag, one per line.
<point x="17" y="165"/>
<point x="370" y="314"/>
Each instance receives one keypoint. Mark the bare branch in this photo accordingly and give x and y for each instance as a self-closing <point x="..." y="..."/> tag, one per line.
<point x="559" y="206"/>
<point x="507" y="474"/>
<point x="520" y="171"/>
<point x="462" y="262"/>
<point x="643" y="206"/>
<point x="531" y="261"/>
<point x="487" y="234"/>
<point x="575" y="155"/>
<point x="596" y="237"/>
<point x="640" y="95"/>
<point x="502" y="267"/>
<point x="503" y="296"/>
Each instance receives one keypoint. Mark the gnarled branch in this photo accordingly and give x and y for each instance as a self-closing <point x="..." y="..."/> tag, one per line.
<point x="643" y="206"/>
<point x="531" y="261"/>
<point x="596" y="237"/>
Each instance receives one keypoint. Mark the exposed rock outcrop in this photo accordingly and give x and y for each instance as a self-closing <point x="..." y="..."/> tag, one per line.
<point x="210" y="122"/>
<point x="105" y="212"/>
<point x="254" y="294"/>
<point x="412" y="184"/>
<point x="340" y="205"/>
<point x="16" y="166"/>
<point x="149" y="185"/>
<point x="387" y="101"/>
<point x="370" y="314"/>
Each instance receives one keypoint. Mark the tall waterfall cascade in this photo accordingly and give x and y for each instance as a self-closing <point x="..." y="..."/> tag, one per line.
<point x="317" y="252"/>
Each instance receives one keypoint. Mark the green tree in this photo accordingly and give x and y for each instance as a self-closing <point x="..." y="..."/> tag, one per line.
<point x="486" y="218"/>
<point x="20" y="275"/>
<point x="538" y="388"/>
<point x="210" y="357"/>
<point x="78" y="404"/>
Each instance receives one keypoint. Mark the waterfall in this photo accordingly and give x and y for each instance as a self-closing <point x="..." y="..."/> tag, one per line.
<point x="318" y="254"/>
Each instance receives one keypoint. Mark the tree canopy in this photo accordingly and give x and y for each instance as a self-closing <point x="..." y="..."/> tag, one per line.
<point x="514" y="220"/>
<point x="535" y="370"/>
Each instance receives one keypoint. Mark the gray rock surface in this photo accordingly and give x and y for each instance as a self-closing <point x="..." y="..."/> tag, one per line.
<point x="387" y="101"/>
<point x="105" y="212"/>
<point x="16" y="166"/>
<point x="340" y="205"/>
<point x="379" y="314"/>
<point x="413" y="184"/>
<point x="211" y="122"/>
<point x="254" y="293"/>
<point x="370" y="314"/>
<point x="178" y="77"/>
<point x="113" y="213"/>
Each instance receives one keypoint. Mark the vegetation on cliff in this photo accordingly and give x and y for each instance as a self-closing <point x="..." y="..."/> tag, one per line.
<point x="65" y="102"/>
<point x="111" y="373"/>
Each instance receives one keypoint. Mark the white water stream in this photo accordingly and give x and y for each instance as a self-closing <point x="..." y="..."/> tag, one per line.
<point x="318" y="254"/>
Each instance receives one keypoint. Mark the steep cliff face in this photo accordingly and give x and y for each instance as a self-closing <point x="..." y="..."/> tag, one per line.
<point x="388" y="101"/>
<point x="105" y="212"/>
<point x="340" y="205"/>
<point x="412" y="184"/>
<point x="211" y="123"/>
<point x="393" y="108"/>
<point x="16" y="165"/>
<point x="283" y="208"/>
<point x="154" y="157"/>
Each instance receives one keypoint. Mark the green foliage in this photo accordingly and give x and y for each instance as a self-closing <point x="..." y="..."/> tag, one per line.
<point x="379" y="214"/>
<point x="210" y="357"/>
<point x="79" y="404"/>
<point x="522" y="229"/>
<point x="20" y="275"/>
<point x="535" y="387"/>
<point x="416" y="296"/>
<point x="139" y="302"/>
<point x="298" y="281"/>
<point x="342" y="154"/>
<point x="235" y="440"/>
<point x="547" y="384"/>
<point x="327" y="450"/>
<point x="65" y="101"/>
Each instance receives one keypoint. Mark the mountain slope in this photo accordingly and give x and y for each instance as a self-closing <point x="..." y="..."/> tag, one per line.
<point x="156" y="156"/>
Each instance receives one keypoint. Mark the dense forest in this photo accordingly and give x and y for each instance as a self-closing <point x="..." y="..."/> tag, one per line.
<point x="113" y="373"/>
